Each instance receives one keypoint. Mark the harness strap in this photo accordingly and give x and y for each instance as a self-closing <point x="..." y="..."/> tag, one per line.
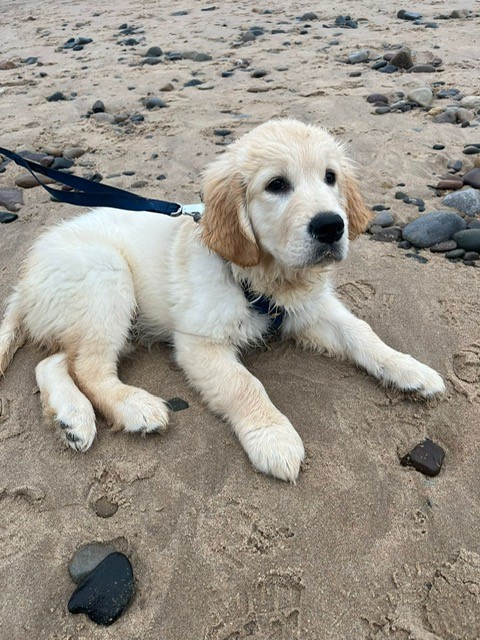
<point x="265" y="306"/>
<point x="93" y="194"/>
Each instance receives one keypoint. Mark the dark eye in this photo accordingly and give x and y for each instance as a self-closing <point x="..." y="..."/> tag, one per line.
<point x="330" y="177"/>
<point x="279" y="185"/>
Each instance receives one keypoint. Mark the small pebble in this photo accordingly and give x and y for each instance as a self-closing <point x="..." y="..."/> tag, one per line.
<point x="377" y="97"/>
<point x="57" y="97"/>
<point x="472" y="256"/>
<point x="390" y="234"/>
<point x="416" y="257"/>
<point x="443" y="247"/>
<point x="105" y="593"/>
<point x="73" y="152"/>
<point x="454" y="254"/>
<point x="155" y="103"/>
<point x="6" y="217"/>
<point x="177" y="404"/>
<point x="384" y="219"/>
<point x="427" y="457"/>
<point x="471" y="150"/>
<point x="438" y="147"/>
<point x="259" y="73"/>
<point x="404" y="244"/>
<point x="86" y="558"/>
<point x="98" y="107"/>
<point x="153" y="52"/>
<point x="359" y="56"/>
<point x="389" y="68"/>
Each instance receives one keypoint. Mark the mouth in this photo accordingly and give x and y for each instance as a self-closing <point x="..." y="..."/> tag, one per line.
<point x="327" y="253"/>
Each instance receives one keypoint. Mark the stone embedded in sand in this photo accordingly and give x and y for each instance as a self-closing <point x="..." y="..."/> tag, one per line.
<point x="402" y="59"/>
<point x="389" y="234"/>
<point x="177" y="404"/>
<point x="422" y="68"/>
<point x="98" y="107"/>
<point x="467" y="201"/>
<point x="422" y="96"/>
<point x="106" y="591"/>
<point x="377" y="97"/>
<point x="443" y="247"/>
<point x="471" y="102"/>
<point x="87" y="558"/>
<point x="408" y="15"/>
<point x="155" y="103"/>
<point x="11" y="199"/>
<point x="57" y="97"/>
<point x="153" y="52"/>
<point x="471" y="150"/>
<point x="433" y="228"/>
<point x="472" y="178"/>
<point x="383" y="218"/>
<point x="449" y="185"/>
<point x="454" y="254"/>
<point x="427" y="457"/>
<point x="447" y="116"/>
<point x="359" y="56"/>
<point x="5" y="217"/>
<point x="468" y="239"/>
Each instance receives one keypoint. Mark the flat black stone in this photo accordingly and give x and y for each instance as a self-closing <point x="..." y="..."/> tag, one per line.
<point x="6" y="217"/>
<point x="177" y="404"/>
<point x="427" y="457"/>
<point x="105" y="593"/>
<point x="416" y="257"/>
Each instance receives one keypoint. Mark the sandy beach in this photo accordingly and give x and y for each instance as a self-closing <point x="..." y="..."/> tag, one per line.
<point x="361" y="547"/>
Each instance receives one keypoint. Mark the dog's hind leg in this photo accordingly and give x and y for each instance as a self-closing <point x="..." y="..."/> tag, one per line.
<point x="63" y="401"/>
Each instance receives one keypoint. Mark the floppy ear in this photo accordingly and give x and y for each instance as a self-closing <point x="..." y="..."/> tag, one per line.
<point x="358" y="214"/>
<point x="225" y="226"/>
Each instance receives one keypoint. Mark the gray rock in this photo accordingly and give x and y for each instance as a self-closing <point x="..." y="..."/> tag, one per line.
<point x="107" y="118"/>
<point x="471" y="255"/>
<point x="382" y="110"/>
<point x="359" y="56"/>
<point x="471" y="150"/>
<point x="155" y="103"/>
<point x="474" y="224"/>
<point x="86" y="558"/>
<point x="469" y="239"/>
<point x="447" y="116"/>
<point x="433" y="228"/>
<point x="202" y="57"/>
<point x="259" y="73"/>
<point x="456" y="253"/>
<point x="389" y="68"/>
<point x="390" y="234"/>
<point x="467" y="201"/>
<point x="422" y="68"/>
<point x="73" y="152"/>
<point x="471" y="102"/>
<point x="383" y="219"/>
<point x="464" y="115"/>
<point x="422" y="96"/>
<point x="153" y="52"/>
<point x="443" y="247"/>
<point x="472" y="178"/>
<point x="11" y="199"/>
<point x="57" y="97"/>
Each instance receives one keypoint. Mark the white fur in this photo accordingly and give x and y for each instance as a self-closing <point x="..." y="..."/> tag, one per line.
<point x="86" y="280"/>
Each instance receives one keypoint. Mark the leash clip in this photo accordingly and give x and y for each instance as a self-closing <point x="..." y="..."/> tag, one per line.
<point x="195" y="211"/>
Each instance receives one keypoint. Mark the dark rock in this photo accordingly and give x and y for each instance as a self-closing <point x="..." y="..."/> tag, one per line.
<point x="86" y="558"/>
<point x="447" y="93"/>
<point x="400" y="195"/>
<point x="408" y="15"/>
<point x="5" y="217"/>
<point x="355" y="74"/>
<point x="62" y="163"/>
<point x="194" y="82"/>
<point x="105" y="593"/>
<point x="57" y="97"/>
<point x="403" y="59"/>
<point x="422" y="68"/>
<point x="468" y="239"/>
<point x="259" y="73"/>
<point x="449" y="185"/>
<point x="222" y="132"/>
<point x="455" y="166"/>
<point x="404" y="244"/>
<point x="443" y="247"/>
<point x="11" y="199"/>
<point x="467" y="201"/>
<point x="177" y="404"/>
<point x="151" y="61"/>
<point x="377" y="97"/>
<point x="427" y="457"/>
<point x="474" y="224"/>
<point x="309" y="17"/>
<point x="416" y="257"/>
<point x="433" y="228"/>
<point x="382" y="110"/>
<point x="379" y="64"/>
<point x="98" y="107"/>
<point x="389" y="68"/>
<point x="472" y="256"/>
<point x="154" y="52"/>
<point x="472" y="178"/>
<point x="202" y="57"/>
<point x="179" y="13"/>
<point x="471" y="150"/>
<point x="380" y="207"/>
<point x="455" y="254"/>
<point x="155" y="103"/>
<point x="438" y="147"/>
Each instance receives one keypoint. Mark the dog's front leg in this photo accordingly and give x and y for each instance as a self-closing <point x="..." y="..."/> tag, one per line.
<point x="336" y="331"/>
<point x="271" y="442"/>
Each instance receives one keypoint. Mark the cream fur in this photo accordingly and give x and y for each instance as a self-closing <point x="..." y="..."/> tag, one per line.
<point x="86" y="280"/>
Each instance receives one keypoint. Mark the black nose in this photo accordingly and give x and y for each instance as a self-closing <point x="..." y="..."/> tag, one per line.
<point x="326" y="227"/>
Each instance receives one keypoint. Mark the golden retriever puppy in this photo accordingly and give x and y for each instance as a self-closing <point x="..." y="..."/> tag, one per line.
<point x="280" y="206"/>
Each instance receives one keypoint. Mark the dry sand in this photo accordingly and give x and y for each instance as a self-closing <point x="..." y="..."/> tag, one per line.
<point x="361" y="547"/>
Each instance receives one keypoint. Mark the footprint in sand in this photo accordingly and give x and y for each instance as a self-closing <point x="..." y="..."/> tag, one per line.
<point x="269" y="611"/>
<point x="356" y="294"/>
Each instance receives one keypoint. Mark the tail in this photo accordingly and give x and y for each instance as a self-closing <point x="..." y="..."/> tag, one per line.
<point x="12" y="335"/>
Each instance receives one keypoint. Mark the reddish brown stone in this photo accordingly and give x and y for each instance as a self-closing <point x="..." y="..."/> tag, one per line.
<point x="449" y="184"/>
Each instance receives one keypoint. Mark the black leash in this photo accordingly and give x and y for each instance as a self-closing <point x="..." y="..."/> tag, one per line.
<point x="94" y="194"/>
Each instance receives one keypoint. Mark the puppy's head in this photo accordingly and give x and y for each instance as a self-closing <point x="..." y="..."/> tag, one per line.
<point x="286" y="190"/>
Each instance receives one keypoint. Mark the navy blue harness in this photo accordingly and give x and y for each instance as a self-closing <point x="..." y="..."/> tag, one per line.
<point x="94" y="194"/>
<point x="265" y="306"/>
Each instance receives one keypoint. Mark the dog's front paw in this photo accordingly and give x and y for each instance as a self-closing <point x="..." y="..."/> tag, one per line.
<point x="275" y="450"/>
<point x="141" y="412"/>
<point x="408" y="374"/>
